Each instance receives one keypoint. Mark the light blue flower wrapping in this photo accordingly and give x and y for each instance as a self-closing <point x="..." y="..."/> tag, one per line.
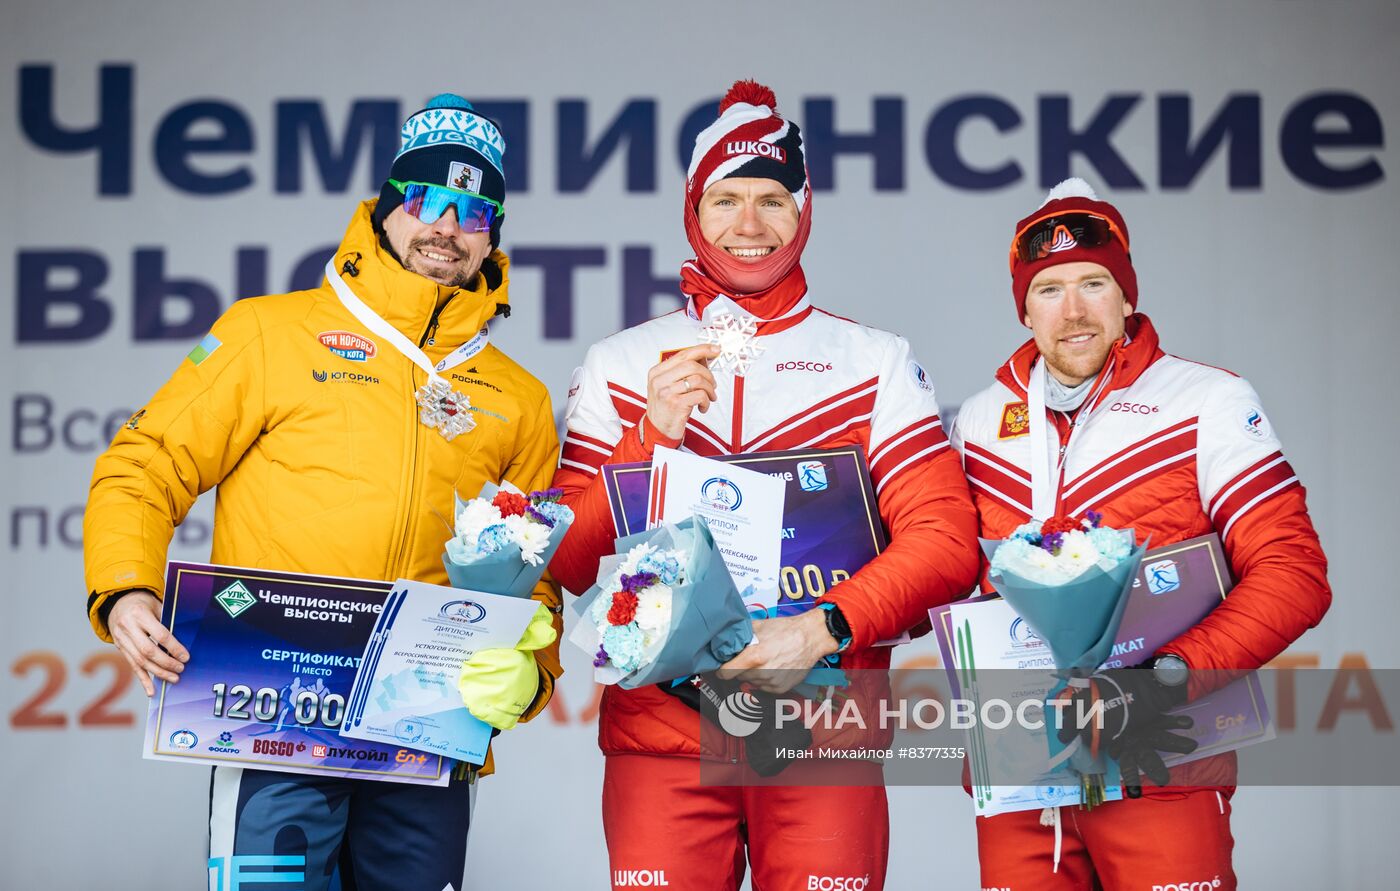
<point x="709" y="622"/>
<point x="1078" y="621"/>
<point x="501" y="571"/>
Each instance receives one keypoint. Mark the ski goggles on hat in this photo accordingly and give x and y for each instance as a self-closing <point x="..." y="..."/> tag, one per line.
<point x="427" y="202"/>
<point x="1055" y="232"/>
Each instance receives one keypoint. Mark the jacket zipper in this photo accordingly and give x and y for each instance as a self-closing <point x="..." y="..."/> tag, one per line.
<point x="737" y="422"/>
<point x="430" y="336"/>
<point x="410" y="486"/>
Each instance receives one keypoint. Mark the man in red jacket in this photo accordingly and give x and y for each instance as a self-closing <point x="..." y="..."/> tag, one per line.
<point x="1172" y="449"/>
<point x="803" y="379"/>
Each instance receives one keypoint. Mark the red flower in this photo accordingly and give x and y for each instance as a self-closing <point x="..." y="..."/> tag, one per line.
<point x="510" y="504"/>
<point x="623" y="609"/>
<point x="1058" y="524"/>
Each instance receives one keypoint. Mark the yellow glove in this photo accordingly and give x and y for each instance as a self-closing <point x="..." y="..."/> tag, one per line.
<point x="498" y="684"/>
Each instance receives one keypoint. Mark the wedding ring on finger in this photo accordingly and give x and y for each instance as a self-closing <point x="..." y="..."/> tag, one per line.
<point x="686" y="381"/>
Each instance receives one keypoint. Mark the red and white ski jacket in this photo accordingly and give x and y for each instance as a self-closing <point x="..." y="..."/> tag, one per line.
<point x="820" y="381"/>
<point x="1173" y="449"/>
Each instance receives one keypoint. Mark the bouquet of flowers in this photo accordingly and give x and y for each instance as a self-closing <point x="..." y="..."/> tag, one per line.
<point x="503" y="539"/>
<point x="664" y="607"/>
<point x="1069" y="579"/>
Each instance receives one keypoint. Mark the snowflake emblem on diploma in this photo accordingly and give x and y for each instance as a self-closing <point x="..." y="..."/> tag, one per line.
<point x="734" y="335"/>
<point x="443" y="408"/>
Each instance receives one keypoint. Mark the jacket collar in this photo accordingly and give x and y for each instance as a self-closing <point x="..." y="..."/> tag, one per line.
<point x="406" y="299"/>
<point x="1130" y="357"/>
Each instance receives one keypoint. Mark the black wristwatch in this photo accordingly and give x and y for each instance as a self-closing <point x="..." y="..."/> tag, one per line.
<point x="1170" y="670"/>
<point x="837" y="626"/>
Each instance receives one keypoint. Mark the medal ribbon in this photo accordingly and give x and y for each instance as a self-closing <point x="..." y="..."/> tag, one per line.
<point x="441" y="406"/>
<point x="1045" y="482"/>
<point x="376" y="324"/>
<point x="465" y="351"/>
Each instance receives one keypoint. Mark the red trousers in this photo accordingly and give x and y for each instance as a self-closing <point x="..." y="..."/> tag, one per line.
<point x="665" y="828"/>
<point x="1176" y="843"/>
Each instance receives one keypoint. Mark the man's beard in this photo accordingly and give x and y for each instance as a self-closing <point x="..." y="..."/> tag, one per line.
<point x="455" y="278"/>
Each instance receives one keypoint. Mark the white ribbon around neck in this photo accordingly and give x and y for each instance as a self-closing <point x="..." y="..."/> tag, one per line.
<point x="397" y="339"/>
<point x="1045" y="472"/>
<point x="439" y="406"/>
<point x="465" y="351"/>
<point x="377" y="325"/>
<point x="1044" y="484"/>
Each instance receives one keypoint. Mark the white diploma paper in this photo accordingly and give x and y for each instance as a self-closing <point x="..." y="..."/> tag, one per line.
<point x="405" y="691"/>
<point x="743" y="508"/>
<point x="990" y="640"/>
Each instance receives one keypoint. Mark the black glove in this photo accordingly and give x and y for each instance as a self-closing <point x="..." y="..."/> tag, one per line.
<point x="1133" y="699"/>
<point x="1137" y="753"/>
<point x="708" y="694"/>
<point x="1135" y="726"/>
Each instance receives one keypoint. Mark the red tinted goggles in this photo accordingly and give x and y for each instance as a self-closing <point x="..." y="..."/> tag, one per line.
<point x="1054" y="232"/>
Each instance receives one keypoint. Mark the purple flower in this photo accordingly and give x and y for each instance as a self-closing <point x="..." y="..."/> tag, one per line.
<point x="1052" y="541"/>
<point x="1095" y="519"/>
<point x="546" y="495"/>
<point x="601" y="659"/>
<point x="639" y="582"/>
<point x="538" y="517"/>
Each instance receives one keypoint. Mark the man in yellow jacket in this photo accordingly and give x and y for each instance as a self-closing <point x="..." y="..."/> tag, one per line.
<point x="337" y="423"/>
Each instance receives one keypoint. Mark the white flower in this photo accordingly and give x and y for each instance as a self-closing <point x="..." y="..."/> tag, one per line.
<point x="1079" y="549"/>
<point x="654" y="609"/>
<point x="634" y="558"/>
<point x="475" y="516"/>
<point x="653" y="619"/>
<point x="516" y="525"/>
<point x="533" y="538"/>
<point x="1040" y="560"/>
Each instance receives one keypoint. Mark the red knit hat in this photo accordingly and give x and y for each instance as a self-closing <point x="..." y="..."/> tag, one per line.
<point x="748" y="139"/>
<point x="1074" y="195"/>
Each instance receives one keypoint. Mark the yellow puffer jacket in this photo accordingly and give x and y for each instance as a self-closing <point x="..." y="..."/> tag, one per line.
<point x="321" y="462"/>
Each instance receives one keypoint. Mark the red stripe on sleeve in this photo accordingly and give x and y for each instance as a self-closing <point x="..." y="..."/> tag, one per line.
<point x="895" y="439"/>
<point x="1266" y="484"/>
<point x="1228" y="489"/>
<point x="892" y="462"/>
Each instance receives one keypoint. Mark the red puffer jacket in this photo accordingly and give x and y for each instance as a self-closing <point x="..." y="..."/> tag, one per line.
<point x="821" y="381"/>
<point x="1173" y="449"/>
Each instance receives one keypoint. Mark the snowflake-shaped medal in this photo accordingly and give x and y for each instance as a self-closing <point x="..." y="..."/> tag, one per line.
<point x="734" y="335"/>
<point x="443" y="408"/>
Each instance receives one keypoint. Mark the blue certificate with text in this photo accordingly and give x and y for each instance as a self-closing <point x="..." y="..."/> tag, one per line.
<point x="272" y="659"/>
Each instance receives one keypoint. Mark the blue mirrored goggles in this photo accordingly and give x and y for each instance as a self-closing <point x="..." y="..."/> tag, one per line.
<point x="427" y="202"/>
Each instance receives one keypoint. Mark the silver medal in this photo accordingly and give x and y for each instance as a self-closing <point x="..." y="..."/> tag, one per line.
<point x="735" y="337"/>
<point x="443" y="408"/>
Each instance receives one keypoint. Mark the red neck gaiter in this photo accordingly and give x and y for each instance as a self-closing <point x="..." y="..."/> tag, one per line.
<point x="767" y="288"/>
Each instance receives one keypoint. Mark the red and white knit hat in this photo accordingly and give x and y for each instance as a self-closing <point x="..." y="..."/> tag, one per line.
<point x="749" y="139"/>
<point x="1074" y="195"/>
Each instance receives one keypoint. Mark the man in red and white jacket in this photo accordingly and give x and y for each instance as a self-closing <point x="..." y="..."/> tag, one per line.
<point x="1172" y="449"/>
<point x="812" y="380"/>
